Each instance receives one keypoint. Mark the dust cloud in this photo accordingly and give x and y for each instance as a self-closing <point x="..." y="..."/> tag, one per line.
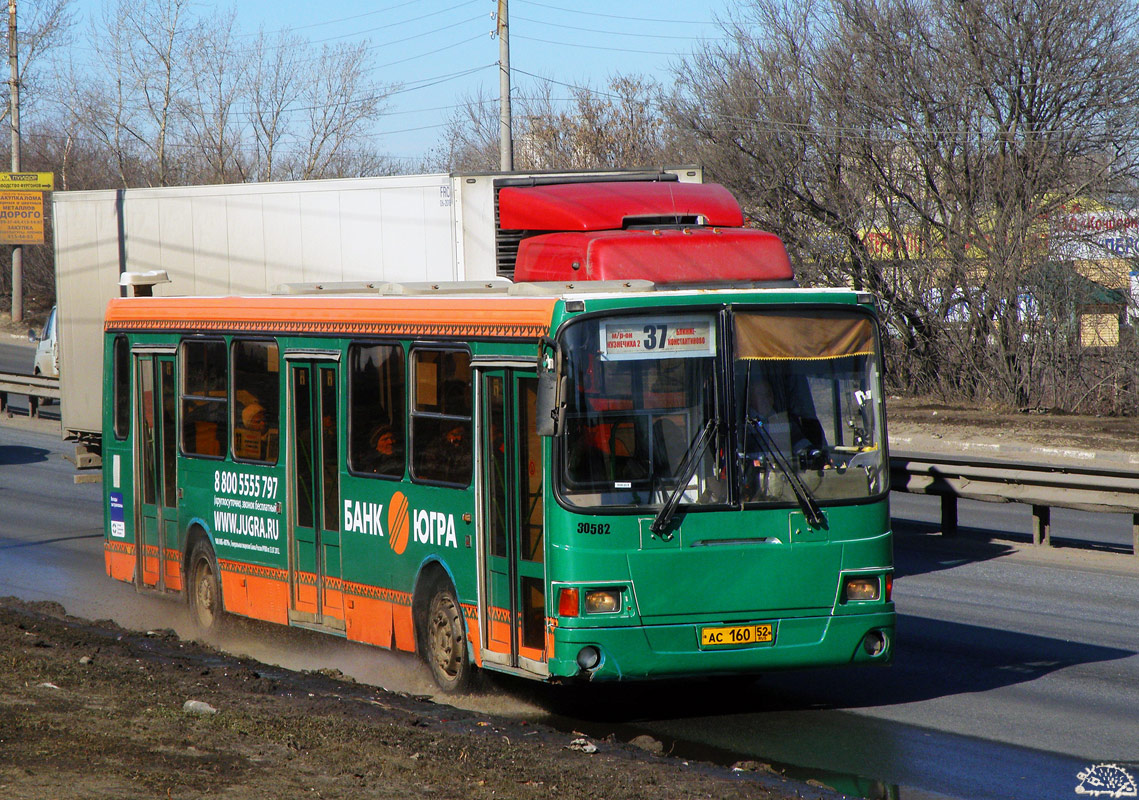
<point x="301" y="650"/>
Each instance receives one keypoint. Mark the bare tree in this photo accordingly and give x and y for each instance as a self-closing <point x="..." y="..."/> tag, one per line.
<point x="916" y="148"/>
<point x="621" y="126"/>
<point x="215" y="131"/>
<point x="141" y="48"/>
<point x="470" y="141"/>
<point x="44" y="29"/>
<point x="338" y="101"/>
<point x="273" y="88"/>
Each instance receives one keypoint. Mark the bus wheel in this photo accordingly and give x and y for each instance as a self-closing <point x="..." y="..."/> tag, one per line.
<point x="446" y="645"/>
<point x="205" y="588"/>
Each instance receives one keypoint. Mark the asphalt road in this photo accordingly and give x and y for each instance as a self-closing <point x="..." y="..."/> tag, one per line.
<point x="1016" y="669"/>
<point x="16" y="356"/>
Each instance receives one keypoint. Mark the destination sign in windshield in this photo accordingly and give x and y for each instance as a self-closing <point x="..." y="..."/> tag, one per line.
<point x="665" y="337"/>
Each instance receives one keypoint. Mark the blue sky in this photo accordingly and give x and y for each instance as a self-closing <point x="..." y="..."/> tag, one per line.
<point x="441" y="49"/>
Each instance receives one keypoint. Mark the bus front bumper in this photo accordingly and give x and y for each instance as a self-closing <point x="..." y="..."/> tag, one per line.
<point x="675" y="651"/>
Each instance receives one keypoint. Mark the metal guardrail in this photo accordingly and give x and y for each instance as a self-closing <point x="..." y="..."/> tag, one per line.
<point x="1043" y="486"/>
<point x="35" y="387"/>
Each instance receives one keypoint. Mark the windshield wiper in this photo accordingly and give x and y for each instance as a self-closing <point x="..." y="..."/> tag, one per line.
<point x="688" y="467"/>
<point x="807" y="503"/>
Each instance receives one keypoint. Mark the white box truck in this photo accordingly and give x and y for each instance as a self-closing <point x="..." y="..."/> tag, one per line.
<point x="236" y="239"/>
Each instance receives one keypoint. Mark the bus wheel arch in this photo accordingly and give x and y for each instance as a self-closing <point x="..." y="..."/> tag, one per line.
<point x="203" y="582"/>
<point x="440" y="630"/>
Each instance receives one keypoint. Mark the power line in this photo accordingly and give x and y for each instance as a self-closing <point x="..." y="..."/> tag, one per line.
<point x="595" y="31"/>
<point x="614" y="16"/>
<point x="245" y="109"/>
<point x="405" y="22"/>
<point x="736" y="123"/>
<point x="366" y="14"/>
<point x="252" y="49"/>
<point x="595" y="46"/>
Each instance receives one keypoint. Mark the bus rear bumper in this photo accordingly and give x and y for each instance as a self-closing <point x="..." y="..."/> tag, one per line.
<point x="674" y="651"/>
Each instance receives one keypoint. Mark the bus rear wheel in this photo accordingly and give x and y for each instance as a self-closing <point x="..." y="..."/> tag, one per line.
<point x="445" y="648"/>
<point x="205" y="589"/>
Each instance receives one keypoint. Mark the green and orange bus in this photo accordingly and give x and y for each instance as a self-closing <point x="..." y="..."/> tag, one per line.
<point x="606" y="480"/>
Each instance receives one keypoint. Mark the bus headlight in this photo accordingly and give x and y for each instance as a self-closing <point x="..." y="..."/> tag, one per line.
<point x="603" y="601"/>
<point x="860" y="588"/>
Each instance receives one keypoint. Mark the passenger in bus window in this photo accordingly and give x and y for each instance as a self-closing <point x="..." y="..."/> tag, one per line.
<point x="455" y="455"/>
<point x="252" y="438"/>
<point x="254" y="418"/>
<point x="382" y="458"/>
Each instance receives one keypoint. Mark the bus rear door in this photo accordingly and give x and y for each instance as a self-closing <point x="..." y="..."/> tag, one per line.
<point x="156" y="456"/>
<point x="512" y="595"/>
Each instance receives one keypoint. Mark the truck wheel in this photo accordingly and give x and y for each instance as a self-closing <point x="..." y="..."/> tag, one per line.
<point x="445" y="643"/>
<point x="205" y="589"/>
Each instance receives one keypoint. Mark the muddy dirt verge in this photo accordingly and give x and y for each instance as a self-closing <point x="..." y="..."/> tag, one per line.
<point x="925" y="425"/>
<point x="88" y="709"/>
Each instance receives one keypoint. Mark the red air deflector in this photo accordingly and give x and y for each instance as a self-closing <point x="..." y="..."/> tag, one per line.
<point x="609" y="205"/>
<point x="689" y="255"/>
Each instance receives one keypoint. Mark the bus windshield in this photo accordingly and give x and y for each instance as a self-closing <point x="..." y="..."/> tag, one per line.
<point x="807" y="406"/>
<point x="802" y="422"/>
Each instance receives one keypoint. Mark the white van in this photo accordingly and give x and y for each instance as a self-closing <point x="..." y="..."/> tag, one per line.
<point x="47" y="350"/>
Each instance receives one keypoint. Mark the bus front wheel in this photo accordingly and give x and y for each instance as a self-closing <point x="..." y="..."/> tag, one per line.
<point x="445" y="643"/>
<point x="205" y="589"/>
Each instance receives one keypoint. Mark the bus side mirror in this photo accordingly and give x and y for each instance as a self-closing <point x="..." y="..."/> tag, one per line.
<point x="550" y="418"/>
<point x="551" y="389"/>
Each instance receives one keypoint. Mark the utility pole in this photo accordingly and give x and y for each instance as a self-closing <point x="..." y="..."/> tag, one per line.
<point x="14" y="97"/>
<point x="505" y="139"/>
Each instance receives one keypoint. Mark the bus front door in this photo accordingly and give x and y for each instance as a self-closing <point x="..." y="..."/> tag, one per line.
<point x="316" y="597"/>
<point x="512" y="593"/>
<point x="156" y="492"/>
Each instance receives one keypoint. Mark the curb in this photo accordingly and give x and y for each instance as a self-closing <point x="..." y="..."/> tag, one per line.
<point x="1014" y="451"/>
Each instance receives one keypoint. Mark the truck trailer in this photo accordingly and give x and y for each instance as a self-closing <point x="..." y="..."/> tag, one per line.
<point x="243" y="239"/>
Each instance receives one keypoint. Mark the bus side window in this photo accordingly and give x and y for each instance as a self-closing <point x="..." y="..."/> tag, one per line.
<point x="441" y="447"/>
<point x="121" y="391"/>
<point x="257" y="400"/>
<point x="204" y="397"/>
<point x="376" y="410"/>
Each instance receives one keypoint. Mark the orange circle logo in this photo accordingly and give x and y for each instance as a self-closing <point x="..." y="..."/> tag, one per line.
<point x="397" y="523"/>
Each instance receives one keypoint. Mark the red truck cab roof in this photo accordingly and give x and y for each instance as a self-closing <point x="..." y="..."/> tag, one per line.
<point x="665" y="232"/>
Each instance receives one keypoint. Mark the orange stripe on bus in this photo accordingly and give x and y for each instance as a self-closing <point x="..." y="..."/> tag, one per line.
<point x="369" y="620"/>
<point x="255" y="569"/>
<point x="173" y="569"/>
<point x="507" y="317"/>
<point x="151" y="565"/>
<point x="404" y="628"/>
<point x="256" y="597"/>
<point x="471" y="613"/>
<point x="333" y="603"/>
<point x="498" y="637"/>
<point x="532" y="653"/>
<point x="120" y="564"/>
